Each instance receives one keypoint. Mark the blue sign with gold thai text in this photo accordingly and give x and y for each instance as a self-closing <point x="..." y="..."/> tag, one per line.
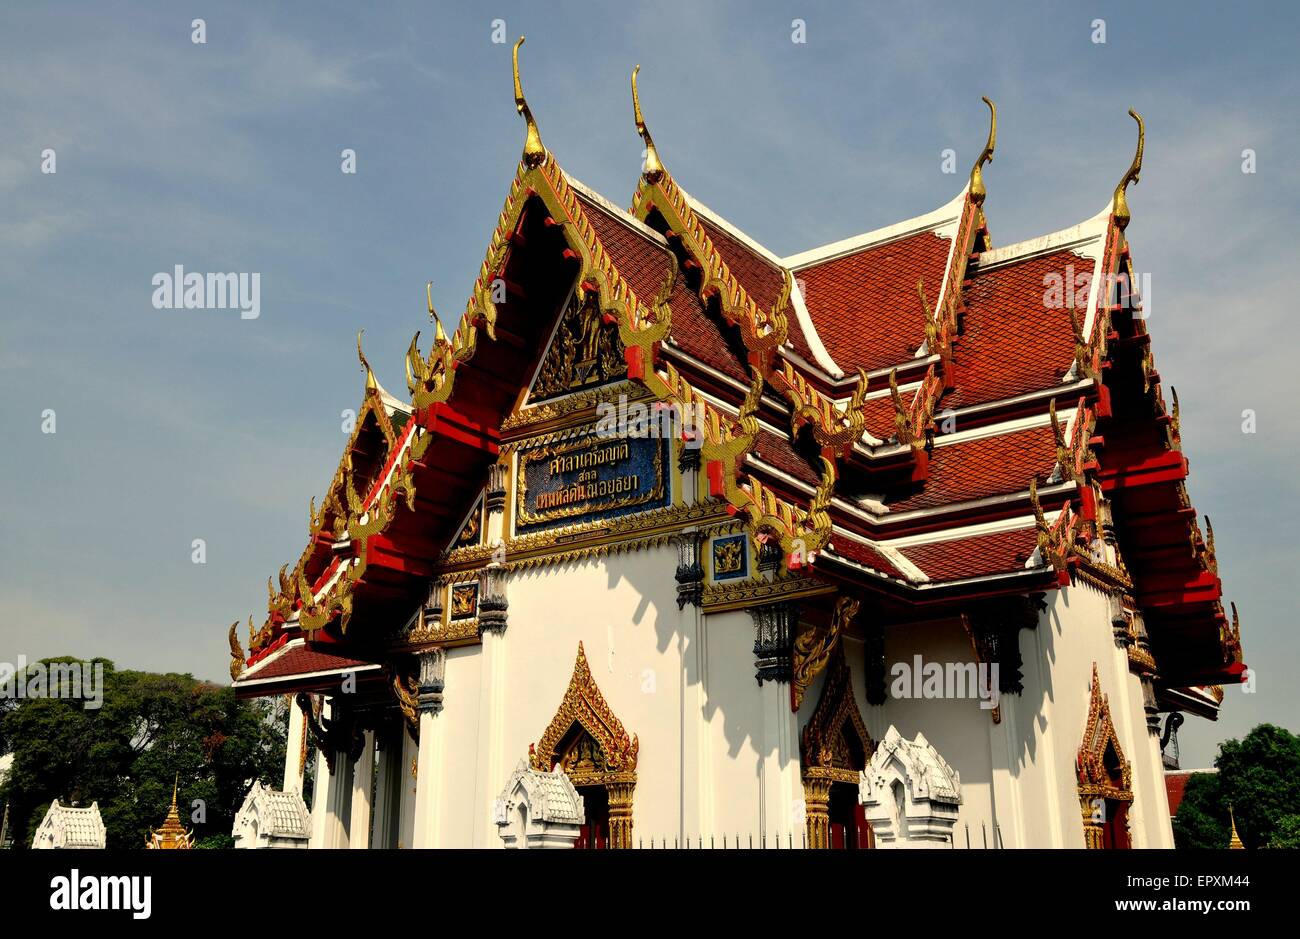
<point x="589" y="478"/>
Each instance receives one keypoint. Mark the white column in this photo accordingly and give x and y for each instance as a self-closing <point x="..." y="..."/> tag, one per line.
<point x="384" y="833"/>
<point x="295" y="749"/>
<point x="407" y="781"/>
<point x="1148" y="817"/>
<point x="363" y="777"/>
<point x="320" y="821"/>
<point x="695" y="777"/>
<point x="340" y="802"/>
<point x="491" y="773"/>
<point x="332" y="797"/>
<point x="780" y="782"/>
<point x="780" y="785"/>
<point x="319" y="798"/>
<point x="1005" y="787"/>
<point x="1057" y="820"/>
<point x="433" y="667"/>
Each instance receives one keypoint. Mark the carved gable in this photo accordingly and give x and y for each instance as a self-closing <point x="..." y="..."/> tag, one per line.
<point x="584" y="737"/>
<point x="585" y="352"/>
<point x="1102" y="769"/>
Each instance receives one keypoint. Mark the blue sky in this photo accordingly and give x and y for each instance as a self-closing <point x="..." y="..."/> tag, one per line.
<point x="174" y="425"/>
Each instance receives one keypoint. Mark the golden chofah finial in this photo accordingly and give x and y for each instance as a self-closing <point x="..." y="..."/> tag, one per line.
<point x="439" y="336"/>
<point x="236" y="652"/>
<point x="977" y="190"/>
<point x="1119" y="205"/>
<point x="653" y="170"/>
<point x="371" y="384"/>
<point x="534" y="152"/>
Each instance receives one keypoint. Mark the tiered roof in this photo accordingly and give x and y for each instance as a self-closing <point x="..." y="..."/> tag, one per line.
<point x="906" y="412"/>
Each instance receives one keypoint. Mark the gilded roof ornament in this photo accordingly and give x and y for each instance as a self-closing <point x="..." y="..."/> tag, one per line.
<point x="653" y="170"/>
<point x="236" y="652"/>
<point x="371" y="383"/>
<point x="977" y="190"/>
<point x="534" y="152"/>
<point x="439" y="336"/>
<point x="1119" y="205"/>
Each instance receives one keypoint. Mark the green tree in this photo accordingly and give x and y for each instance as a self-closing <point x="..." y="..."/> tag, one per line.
<point x="151" y="730"/>
<point x="1259" y="776"/>
<point x="1202" y="819"/>
<point x="1287" y="833"/>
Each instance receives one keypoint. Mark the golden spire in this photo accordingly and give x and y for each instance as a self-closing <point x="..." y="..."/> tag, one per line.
<point x="653" y="169"/>
<point x="1119" y="205"/>
<point x="371" y="384"/>
<point x="172" y="835"/>
<point x="534" y="152"/>
<point x="1234" y="843"/>
<point x="977" y="190"/>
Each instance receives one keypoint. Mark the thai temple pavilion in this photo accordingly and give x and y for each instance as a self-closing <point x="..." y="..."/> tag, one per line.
<point x="678" y="542"/>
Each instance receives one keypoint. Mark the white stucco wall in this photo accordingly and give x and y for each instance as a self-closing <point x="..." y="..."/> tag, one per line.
<point x="1050" y="717"/>
<point x="719" y="754"/>
<point x="958" y="728"/>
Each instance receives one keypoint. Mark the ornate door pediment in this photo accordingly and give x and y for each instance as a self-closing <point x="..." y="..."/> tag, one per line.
<point x="588" y="742"/>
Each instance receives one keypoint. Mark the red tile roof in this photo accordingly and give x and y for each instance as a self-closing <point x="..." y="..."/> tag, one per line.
<point x="1013" y="342"/>
<point x="703" y="336"/>
<point x="301" y="660"/>
<point x="977" y="556"/>
<point x="762" y="279"/>
<point x="643" y="263"/>
<point x="641" y="259"/>
<point x="879" y="414"/>
<point x="778" y="451"/>
<point x="864" y="305"/>
<point x="978" y="469"/>
<point x="865" y="555"/>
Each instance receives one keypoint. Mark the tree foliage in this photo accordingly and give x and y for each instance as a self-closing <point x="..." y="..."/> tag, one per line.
<point x="1259" y="777"/>
<point x="151" y="729"/>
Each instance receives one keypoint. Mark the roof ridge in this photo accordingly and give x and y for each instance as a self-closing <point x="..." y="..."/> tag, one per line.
<point x="854" y="243"/>
<point x="1059" y="240"/>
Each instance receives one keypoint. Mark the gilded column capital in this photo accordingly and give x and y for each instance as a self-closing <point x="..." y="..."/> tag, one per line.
<point x="433" y="672"/>
<point x="690" y="568"/>
<point x="774" y="627"/>
<point x="495" y="500"/>
<point x="492" y="602"/>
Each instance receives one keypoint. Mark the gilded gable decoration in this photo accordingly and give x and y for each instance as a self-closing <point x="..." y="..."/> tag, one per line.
<point x="813" y="648"/>
<point x="585" y="352"/>
<point x="834" y="748"/>
<point x="835" y="742"/>
<point x="1103" y="772"/>
<point x="590" y="744"/>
